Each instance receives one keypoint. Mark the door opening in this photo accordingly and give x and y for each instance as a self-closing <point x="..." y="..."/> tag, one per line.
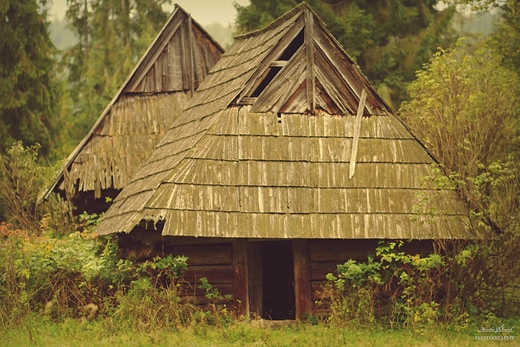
<point x="278" y="298"/>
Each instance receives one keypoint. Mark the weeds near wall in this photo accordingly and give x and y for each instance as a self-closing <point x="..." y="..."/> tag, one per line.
<point x="81" y="276"/>
<point x="400" y="290"/>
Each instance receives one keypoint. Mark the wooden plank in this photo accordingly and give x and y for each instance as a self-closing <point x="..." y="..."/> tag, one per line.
<point x="155" y="52"/>
<point x="271" y="56"/>
<point x="191" y="292"/>
<point x="286" y="82"/>
<point x="339" y="251"/>
<point x="240" y="277"/>
<point x="309" y="43"/>
<point x="278" y="63"/>
<point x="319" y="271"/>
<point x="254" y="267"/>
<point x="301" y="278"/>
<point x="216" y="274"/>
<point x="191" y="50"/>
<point x="217" y="254"/>
<point x="357" y="128"/>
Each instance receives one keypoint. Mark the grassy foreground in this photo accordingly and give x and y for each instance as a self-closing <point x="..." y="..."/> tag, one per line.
<point x="38" y="332"/>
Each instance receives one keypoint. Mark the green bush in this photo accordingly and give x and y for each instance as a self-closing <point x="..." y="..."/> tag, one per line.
<point x="393" y="288"/>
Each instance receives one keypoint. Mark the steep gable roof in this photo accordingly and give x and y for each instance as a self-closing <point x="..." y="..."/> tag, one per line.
<point x="150" y="99"/>
<point x="265" y="147"/>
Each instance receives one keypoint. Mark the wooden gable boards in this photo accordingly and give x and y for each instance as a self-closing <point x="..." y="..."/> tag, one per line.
<point x="307" y="71"/>
<point x="256" y="153"/>
<point x="150" y="99"/>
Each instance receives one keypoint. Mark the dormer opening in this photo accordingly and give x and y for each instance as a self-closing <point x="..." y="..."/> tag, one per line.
<point x="296" y="43"/>
<point x="276" y="66"/>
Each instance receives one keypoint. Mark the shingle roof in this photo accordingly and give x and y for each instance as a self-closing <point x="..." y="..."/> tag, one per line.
<point x="150" y="99"/>
<point x="264" y="149"/>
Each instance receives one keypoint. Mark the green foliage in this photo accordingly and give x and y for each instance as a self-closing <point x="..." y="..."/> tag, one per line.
<point x="217" y="313"/>
<point x="465" y="108"/>
<point x="395" y="289"/>
<point x="60" y="275"/>
<point x="21" y="179"/>
<point x="506" y="34"/>
<point x="389" y="39"/>
<point x="28" y="86"/>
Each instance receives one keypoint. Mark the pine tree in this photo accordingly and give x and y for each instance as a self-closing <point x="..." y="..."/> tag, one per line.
<point x="28" y="87"/>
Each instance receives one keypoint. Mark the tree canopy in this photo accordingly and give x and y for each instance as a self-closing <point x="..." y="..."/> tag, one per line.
<point x="28" y="86"/>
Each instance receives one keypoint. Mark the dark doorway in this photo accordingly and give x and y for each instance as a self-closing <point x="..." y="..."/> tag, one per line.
<point x="278" y="280"/>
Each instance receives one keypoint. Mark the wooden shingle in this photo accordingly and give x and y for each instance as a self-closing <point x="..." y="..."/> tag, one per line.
<point x="263" y="150"/>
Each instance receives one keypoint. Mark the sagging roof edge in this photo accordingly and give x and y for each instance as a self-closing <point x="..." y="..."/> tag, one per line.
<point x="44" y="195"/>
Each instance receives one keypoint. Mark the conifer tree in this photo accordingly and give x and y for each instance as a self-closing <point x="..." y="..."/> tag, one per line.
<point x="28" y="87"/>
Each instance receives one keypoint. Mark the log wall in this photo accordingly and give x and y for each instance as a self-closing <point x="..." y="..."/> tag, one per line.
<point x="234" y="266"/>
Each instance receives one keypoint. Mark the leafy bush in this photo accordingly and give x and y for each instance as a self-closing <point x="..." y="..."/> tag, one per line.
<point x="395" y="289"/>
<point x="21" y="179"/>
<point x="59" y="275"/>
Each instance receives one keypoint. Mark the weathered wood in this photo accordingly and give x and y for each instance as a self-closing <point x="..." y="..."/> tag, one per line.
<point x="309" y="45"/>
<point x="290" y="180"/>
<point x="301" y="278"/>
<point x="285" y="83"/>
<point x="282" y="44"/>
<point x="319" y="271"/>
<point x="339" y="251"/>
<point x="154" y="52"/>
<point x="215" y="274"/>
<point x="192" y="58"/>
<point x="357" y="129"/>
<point x="240" y="277"/>
<point x="278" y="63"/>
<point x="218" y="254"/>
<point x="254" y="267"/>
<point x="192" y="293"/>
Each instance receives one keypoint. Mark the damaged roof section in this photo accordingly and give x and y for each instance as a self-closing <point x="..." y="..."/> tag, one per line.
<point x="150" y="99"/>
<point x="265" y="147"/>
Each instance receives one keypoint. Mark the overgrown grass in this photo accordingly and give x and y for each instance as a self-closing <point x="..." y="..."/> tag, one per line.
<point x="38" y="331"/>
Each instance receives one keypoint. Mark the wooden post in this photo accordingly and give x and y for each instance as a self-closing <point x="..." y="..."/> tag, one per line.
<point x="255" y="285"/>
<point x="309" y="44"/>
<point x="240" y="278"/>
<point x="302" y="284"/>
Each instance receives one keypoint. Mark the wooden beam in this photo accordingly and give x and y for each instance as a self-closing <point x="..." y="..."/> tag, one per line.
<point x="254" y="270"/>
<point x="192" y="53"/>
<point x="240" y="277"/>
<point x="357" y="129"/>
<point x="278" y="63"/>
<point x="309" y="43"/>
<point x="255" y="79"/>
<point x="302" y="286"/>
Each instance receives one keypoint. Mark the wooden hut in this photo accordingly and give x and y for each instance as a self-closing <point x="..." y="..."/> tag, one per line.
<point x="150" y="99"/>
<point x="285" y="163"/>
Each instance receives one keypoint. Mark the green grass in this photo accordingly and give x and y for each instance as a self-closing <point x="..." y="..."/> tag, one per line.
<point x="70" y="333"/>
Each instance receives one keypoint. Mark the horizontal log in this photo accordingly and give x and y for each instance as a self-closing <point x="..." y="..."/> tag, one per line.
<point x="319" y="271"/>
<point x="339" y="251"/>
<point x="218" y="254"/>
<point x="216" y="274"/>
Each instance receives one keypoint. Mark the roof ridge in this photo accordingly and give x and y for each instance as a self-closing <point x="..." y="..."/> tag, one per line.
<point x="288" y="15"/>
